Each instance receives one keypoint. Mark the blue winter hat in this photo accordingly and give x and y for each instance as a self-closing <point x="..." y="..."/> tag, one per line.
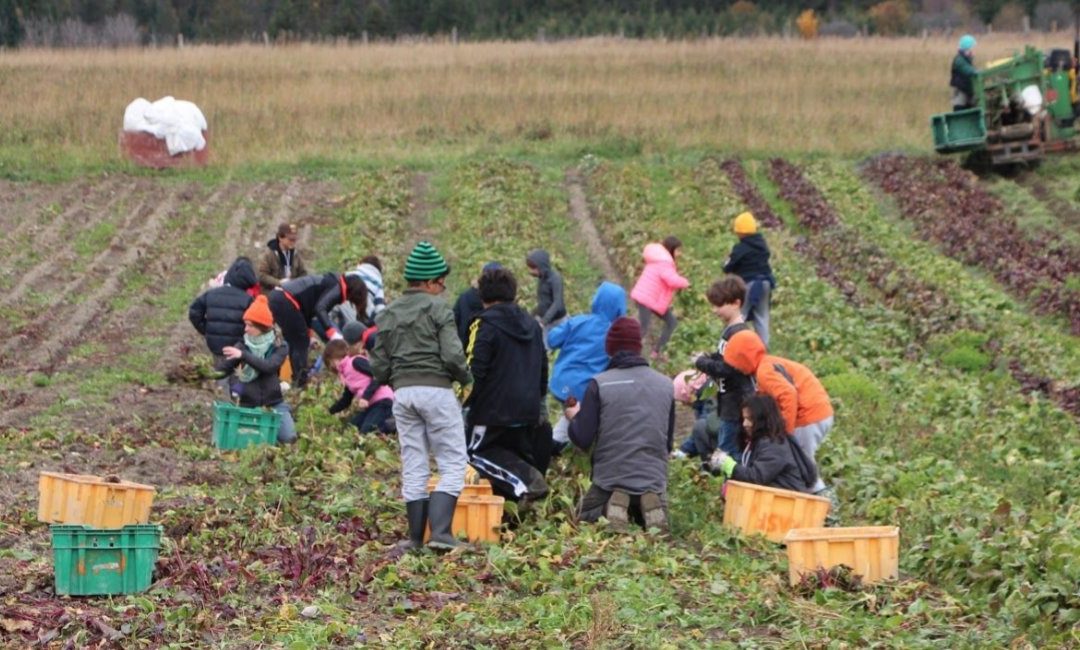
<point x="491" y="266"/>
<point x="967" y="42"/>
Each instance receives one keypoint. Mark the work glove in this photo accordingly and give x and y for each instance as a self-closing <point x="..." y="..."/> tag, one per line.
<point x="721" y="462"/>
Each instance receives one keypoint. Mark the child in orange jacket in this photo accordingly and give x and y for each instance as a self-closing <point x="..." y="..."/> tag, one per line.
<point x="803" y="401"/>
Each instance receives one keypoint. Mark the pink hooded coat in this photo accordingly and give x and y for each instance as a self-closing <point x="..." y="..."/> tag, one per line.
<point x="659" y="280"/>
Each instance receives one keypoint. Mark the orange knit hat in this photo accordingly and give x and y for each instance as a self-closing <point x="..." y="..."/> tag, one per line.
<point x="259" y="313"/>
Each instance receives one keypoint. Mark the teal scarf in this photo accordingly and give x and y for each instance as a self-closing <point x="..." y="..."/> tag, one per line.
<point x="260" y="347"/>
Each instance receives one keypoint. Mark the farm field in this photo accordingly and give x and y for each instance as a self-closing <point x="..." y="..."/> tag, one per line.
<point x="940" y="309"/>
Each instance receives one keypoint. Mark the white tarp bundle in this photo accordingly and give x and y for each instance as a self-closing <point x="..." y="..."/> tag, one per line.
<point x="180" y="123"/>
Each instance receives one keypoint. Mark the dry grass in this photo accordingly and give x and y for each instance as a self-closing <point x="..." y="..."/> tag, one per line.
<point x="284" y="104"/>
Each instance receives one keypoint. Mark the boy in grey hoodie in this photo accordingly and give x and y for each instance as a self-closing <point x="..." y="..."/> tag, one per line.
<point x="550" y="307"/>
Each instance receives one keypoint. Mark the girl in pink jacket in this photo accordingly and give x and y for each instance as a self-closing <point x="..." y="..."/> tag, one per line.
<point x="375" y="401"/>
<point x="656" y="288"/>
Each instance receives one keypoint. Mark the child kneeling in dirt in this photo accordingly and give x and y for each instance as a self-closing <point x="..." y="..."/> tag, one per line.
<point x="349" y="355"/>
<point x="771" y="457"/>
<point x="258" y="358"/>
<point x="628" y="417"/>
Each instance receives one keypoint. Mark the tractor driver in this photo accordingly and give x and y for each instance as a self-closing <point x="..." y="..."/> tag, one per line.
<point x="963" y="74"/>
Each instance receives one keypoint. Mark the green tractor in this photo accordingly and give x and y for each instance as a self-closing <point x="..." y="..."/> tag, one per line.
<point x="1023" y="109"/>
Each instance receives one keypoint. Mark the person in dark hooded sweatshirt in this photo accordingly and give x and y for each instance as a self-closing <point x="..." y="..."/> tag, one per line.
<point x="298" y="304"/>
<point x="509" y="437"/>
<point x="749" y="260"/>
<point x="218" y="314"/>
<point x="550" y="306"/>
<point x="963" y="72"/>
<point x="627" y="417"/>
<point x="281" y="261"/>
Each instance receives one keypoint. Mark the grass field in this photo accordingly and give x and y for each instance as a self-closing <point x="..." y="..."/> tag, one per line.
<point x="311" y="103"/>
<point x="953" y="362"/>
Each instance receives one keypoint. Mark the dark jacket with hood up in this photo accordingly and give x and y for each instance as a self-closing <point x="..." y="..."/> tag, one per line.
<point x="218" y="314"/>
<point x="776" y="463"/>
<point x="550" y="305"/>
<point x="509" y="367"/>
<point x="750" y="260"/>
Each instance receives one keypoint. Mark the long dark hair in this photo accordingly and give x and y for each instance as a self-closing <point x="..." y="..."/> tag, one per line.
<point x="765" y="418"/>
<point x="356" y="292"/>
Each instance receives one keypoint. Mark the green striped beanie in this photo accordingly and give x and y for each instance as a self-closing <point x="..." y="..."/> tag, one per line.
<point x="425" y="263"/>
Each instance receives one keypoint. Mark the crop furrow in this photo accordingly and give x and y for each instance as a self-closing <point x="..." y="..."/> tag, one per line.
<point x="949" y="208"/>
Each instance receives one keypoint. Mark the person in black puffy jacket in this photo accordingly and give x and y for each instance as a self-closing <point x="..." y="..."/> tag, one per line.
<point x="218" y="314"/>
<point x="299" y="304"/>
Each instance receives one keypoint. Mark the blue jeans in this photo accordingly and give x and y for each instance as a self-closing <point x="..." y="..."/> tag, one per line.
<point x="728" y="440"/>
<point x="757" y="313"/>
<point x="287" y="429"/>
<point x="373" y="418"/>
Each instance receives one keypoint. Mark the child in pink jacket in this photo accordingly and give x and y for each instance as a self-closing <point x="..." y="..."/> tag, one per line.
<point x="656" y="288"/>
<point x="375" y="401"/>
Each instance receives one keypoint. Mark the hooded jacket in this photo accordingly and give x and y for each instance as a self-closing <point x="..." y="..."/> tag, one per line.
<point x="776" y="463"/>
<point x="315" y="295"/>
<point x="750" y="259"/>
<point x="218" y="314"/>
<point x="659" y="280"/>
<point x="801" y="397"/>
<point x="509" y="367"/>
<point x="272" y="265"/>
<point x="467" y="307"/>
<point x="580" y="342"/>
<point x="550" y="305"/>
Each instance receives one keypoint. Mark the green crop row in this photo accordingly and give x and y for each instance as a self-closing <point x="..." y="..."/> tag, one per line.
<point x="928" y="447"/>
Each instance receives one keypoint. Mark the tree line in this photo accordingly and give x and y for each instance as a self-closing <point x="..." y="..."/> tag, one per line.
<point x="128" y="22"/>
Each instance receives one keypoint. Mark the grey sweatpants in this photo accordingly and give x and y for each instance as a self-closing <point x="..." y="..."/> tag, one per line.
<point x="809" y="438"/>
<point x="429" y="418"/>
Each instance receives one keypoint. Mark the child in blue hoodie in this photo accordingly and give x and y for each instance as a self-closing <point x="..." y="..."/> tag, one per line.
<point x="580" y="342"/>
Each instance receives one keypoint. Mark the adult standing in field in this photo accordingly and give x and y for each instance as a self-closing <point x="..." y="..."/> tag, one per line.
<point x="962" y="81"/>
<point x="656" y="287"/>
<point x="281" y="261"/>
<point x="298" y="304"/>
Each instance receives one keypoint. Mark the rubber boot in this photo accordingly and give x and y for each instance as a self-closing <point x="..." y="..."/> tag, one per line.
<point x="417" y="514"/>
<point x="441" y="514"/>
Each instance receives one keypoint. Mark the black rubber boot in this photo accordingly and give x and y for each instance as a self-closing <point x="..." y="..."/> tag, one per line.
<point x="441" y="513"/>
<point x="417" y="513"/>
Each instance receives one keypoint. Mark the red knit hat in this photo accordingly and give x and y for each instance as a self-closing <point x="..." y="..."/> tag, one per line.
<point x="623" y="336"/>
<point x="259" y="312"/>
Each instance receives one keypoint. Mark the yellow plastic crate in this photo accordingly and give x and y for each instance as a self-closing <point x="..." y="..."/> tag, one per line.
<point x="481" y="488"/>
<point x="771" y="512"/>
<point x="87" y="500"/>
<point x="872" y="552"/>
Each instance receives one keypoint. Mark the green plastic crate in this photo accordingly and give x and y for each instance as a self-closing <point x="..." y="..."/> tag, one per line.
<point x="236" y="427"/>
<point x="104" y="561"/>
<point x="959" y="131"/>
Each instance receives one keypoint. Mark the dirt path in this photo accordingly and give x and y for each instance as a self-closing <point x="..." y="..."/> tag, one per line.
<point x="594" y="243"/>
<point x="23" y="206"/>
